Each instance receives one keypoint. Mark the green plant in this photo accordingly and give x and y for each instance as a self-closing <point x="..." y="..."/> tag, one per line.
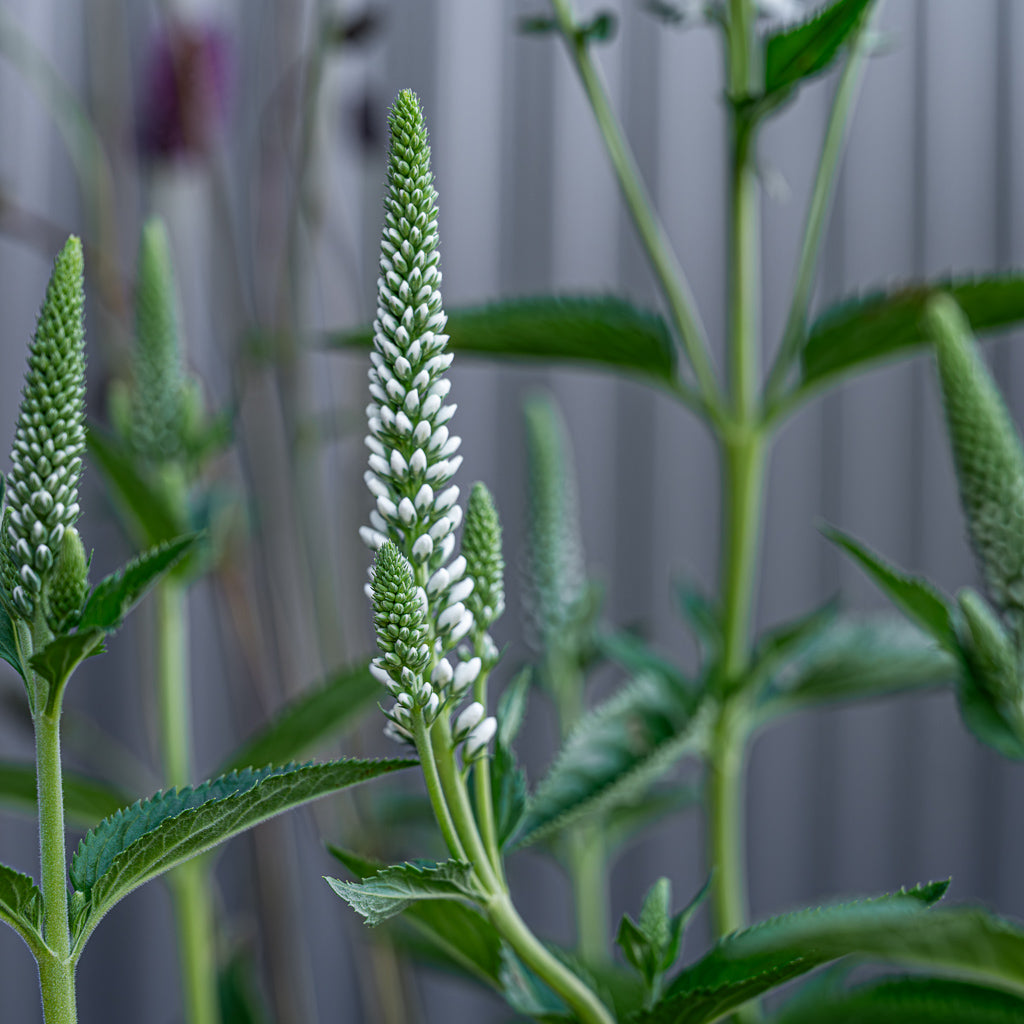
<point x="51" y="621"/>
<point x="616" y="753"/>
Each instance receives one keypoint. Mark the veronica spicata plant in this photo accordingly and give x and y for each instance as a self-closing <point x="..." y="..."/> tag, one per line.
<point x="425" y="600"/>
<point x="618" y="759"/>
<point x="51" y="621"/>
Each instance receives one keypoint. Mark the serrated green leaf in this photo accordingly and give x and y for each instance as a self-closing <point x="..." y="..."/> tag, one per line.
<point x="634" y="654"/>
<point x="795" y="53"/>
<point x="457" y="934"/>
<point x="703" y="617"/>
<point x="885" y="324"/>
<point x="512" y="706"/>
<point x="326" y="710"/>
<point x="60" y="657"/>
<point x="8" y="645"/>
<point x="21" y="906"/>
<point x="115" y="595"/>
<point x="914" y="596"/>
<point x="746" y="964"/>
<point x="151" y="837"/>
<point x="857" y="658"/>
<point x="86" y="800"/>
<point x="153" y="519"/>
<point x="527" y="994"/>
<point x="508" y="793"/>
<point x="602" y="331"/>
<point x="623" y="823"/>
<point x="395" y="888"/>
<point x="614" y="753"/>
<point x="908" y="1001"/>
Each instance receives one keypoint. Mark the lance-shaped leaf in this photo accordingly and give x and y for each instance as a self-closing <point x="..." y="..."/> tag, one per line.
<point x="86" y="800"/>
<point x="21" y="906"/>
<point x="59" y="658"/>
<point x="146" y="508"/>
<point x="748" y="963"/>
<point x="151" y="837"/>
<point x="448" y="930"/>
<point x="324" y="711"/>
<point x="795" y="53"/>
<point x="8" y="646"/>
<point x="857" y="659"/>
<point x="915" y="597"/>
<point x="908" y="1001"/>
<point x="395" y="888"/>
<point x="116" y="595"/>
<point x="600" y="331"/>
<point x="884" y="324"/>
<point x="615" y="753"/>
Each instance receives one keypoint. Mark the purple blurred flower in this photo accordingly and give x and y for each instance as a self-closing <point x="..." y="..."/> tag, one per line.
<point x="183" y="101"/>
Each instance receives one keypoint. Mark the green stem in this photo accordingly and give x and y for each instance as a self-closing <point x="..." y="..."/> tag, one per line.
<point x="56" y="967"/>
<point x="482" y="787"/>
<point x="588" y="865"/>
<point x="190" y="883"/>
<point x="457" y="798"/>
<point x="588" y="1008"/>
<point x="425" y="740"/>
<point x="820" y="206"/>
<point x="666" y="266"/>
<point x="744" y="457"/>
<point x="725" y="824"/>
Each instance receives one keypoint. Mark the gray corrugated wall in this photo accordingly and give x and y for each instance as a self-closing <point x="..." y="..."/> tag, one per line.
<point x="852" y="800"/>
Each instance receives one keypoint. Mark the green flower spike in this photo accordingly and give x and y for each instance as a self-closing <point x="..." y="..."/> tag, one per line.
<point x="481" y="544"/>
<point x="989" y="460"/>
<point x="399" y="616"/>
<point x="555" y="573"/>
<point x="156" y="414"/>
<point x="42" y="487"/>
<point x="69" y="584"/>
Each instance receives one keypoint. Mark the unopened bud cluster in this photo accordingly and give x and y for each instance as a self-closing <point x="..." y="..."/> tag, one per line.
<point x="989" y="461"/>
<point x="46" y="459"/>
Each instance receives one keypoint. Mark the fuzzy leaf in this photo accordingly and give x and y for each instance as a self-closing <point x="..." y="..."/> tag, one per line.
<point x="968" y="941"/>
<point x="908" y="1001"/>
<point x="321" y="712"/>
<point x="614" y="753"/>
<point x="795" y="53"/>
<point x="456" y="933"/>
<point x="115" y="595"/>
<point x="915" y="597"/>
<point x="8" y="647"/>
<point x="603" y="331"/>
<point x="86" y="800"/>
<point x="885" y="324"/>
<point x="151" y="837"/>
<point x="152" y="517"/>
<point x="857" y="659"/>
<point x="59" y="658"/>
<point x="508" y="793"/>
<point x="21" y="906"/>
<point x="396" y="888"/>
<point x="633" y="654"/>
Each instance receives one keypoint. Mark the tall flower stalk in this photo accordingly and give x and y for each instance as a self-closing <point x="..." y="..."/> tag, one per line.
<point x="422" y="592"/>
<point x="45" y="565"/>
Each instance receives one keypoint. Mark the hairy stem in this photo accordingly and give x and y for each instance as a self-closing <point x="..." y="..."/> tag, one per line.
<point x="653" y="236"/>
<point x="190" y="883"/>
<point x="425" y="742"/>
<point x="820" y="206"/>
<point x="56" y="967"/>
<point x="482" y="789"/>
